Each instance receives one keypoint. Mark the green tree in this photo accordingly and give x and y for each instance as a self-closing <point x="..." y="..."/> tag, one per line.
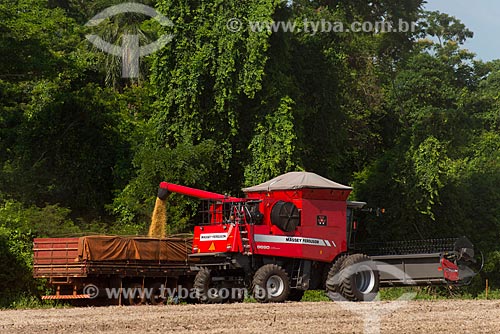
<point x="64" y="138"/>
<point x="273" y="146"/>
<point x="15" y="270"/>
<point x="428" y="179"/>
<point x="446" y="28"/>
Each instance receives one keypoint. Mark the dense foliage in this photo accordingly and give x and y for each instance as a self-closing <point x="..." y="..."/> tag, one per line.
<point x="410" y="119"/>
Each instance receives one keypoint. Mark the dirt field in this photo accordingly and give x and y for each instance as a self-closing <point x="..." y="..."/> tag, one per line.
<point x="325" y="317"/>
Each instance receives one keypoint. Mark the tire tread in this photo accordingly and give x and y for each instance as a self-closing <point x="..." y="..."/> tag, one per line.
<point x="260" y="279"/>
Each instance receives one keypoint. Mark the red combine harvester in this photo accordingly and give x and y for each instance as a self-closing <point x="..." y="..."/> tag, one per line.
<point x="290" y="234"/>
<point x="294" y="233"/>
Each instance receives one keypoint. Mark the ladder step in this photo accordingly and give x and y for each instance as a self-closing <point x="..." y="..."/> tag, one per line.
<point x="244" y="239"/>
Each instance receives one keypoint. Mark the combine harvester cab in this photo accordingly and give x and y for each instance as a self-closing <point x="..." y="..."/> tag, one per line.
<point x="294" y="233"/>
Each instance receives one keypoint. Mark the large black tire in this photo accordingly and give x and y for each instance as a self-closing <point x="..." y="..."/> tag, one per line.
<point x="237" y="295"/>
<point x="136" y="294"/>
<point x="205" y="291"/>
<point x="158" y="294"/>
<point x="295" y="295"/>
<point x="271" y="284"/>
<point x="333" y="281"/>
<point x="359" y="278"/>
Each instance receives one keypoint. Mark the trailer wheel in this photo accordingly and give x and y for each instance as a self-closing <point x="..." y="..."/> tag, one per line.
<point x="136" y="294"/>
<point x="158" y="294"/>
<point x="271" y="284"/>
<point x="359" y="278"/>
<point x="333" y="281"/>
<point x="205" y="291"/>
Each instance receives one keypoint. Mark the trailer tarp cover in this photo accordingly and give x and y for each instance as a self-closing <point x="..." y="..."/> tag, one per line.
<point x="116" y="248"/>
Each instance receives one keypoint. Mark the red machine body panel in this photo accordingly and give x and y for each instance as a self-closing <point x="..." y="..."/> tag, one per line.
<point x="216" y="239"/>
<point x="320" y="234"/>
<point x="57" y="257"/>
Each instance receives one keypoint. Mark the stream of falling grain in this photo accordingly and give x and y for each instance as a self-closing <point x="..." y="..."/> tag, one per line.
<point x="158" y="227"/>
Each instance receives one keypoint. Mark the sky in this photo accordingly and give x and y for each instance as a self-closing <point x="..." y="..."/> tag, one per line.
<point x="481" y="17"/>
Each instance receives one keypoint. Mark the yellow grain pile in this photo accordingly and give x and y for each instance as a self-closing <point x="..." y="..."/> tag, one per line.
<point x="158" y="227"/>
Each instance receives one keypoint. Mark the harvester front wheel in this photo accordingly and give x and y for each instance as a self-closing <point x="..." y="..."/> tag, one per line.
<point x="205" y="290"/>
<point x="333" y="280"/>
<point x="359" y="278"/>
<point x="271" y="284"/>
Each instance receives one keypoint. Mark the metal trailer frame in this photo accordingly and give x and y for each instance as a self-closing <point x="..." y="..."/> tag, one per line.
<point x="56" y="259"/>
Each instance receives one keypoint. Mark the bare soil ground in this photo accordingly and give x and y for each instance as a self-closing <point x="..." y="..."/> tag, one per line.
<point x="427" y="317"/>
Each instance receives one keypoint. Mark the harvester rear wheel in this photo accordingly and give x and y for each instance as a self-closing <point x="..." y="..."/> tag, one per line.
<point x="205" y="291"/>
<point x="271" y="284"/>
<point x="359" y="278"/>
<point x="333" y="280"/>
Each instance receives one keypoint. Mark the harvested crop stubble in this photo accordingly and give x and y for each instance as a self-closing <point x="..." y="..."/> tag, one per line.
<point x="420" y="317"/>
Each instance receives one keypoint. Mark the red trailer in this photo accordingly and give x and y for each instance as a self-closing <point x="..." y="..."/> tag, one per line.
<point x="88" y="268"/>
